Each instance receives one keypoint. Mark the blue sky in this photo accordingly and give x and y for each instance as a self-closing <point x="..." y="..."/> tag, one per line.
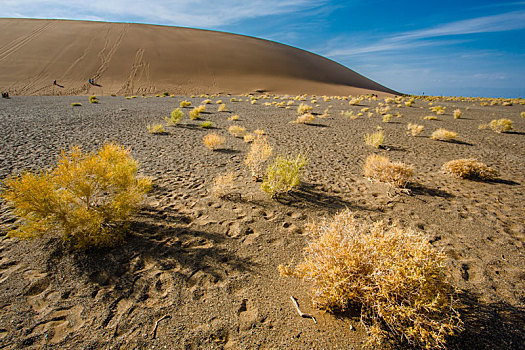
<point x="470" y="48"/>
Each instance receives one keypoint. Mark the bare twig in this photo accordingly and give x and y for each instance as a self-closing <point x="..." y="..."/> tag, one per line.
<point x="154" y="332"/>
<point x="302" y="314"/>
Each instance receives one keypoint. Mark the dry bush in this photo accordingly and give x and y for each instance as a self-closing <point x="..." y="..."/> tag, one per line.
<point x="222" y="108"/>
<point x="93" y="99"/>
<point x="87" y="199"/>
<point x="387" y="118"/>
<point x="237" y="131"/>
<point x="305" y="119"/>
<point x="457" y="113"/>
<point x="439" y="110"/>
<point x="205" y="102"/>
<point x="483" y="126"/>
<point x="355" y="101"/>
<point x="283" y="175"/>
<point x="213" y="141"/>
<point x="224" y="186"/>
<point x="443" y="135"/>
<point x="260" y="151"/>
<point x="415" y="129"/>
<point x="501" y="125"/>
<point x="195" y="113"/>
<point x="184" y="104"/>
<point x="430" y="117"/>
<point x="156" y="128"/>
<point x="259" y="132"/>
<point x="522" y="114"/>
<point x="469" y="169"/>
<point x="375" y="139"/>
<point x="175" y="117"/>
<point x="393" y="274"/>
<point x="304" y="108"/>
<point x="233" y="117"/>
<point x="201" y="108"/>
<point x="206" y="124"/>
<point x="381" y="169"/>
<point x="249" y="137"/>
<point x="76" y="104"/>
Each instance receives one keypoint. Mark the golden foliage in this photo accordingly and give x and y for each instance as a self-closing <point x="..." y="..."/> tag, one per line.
<point x="195" y="113"/>
<point x="415" y="129"/>
<point x="260" y="151"/>
<point x="305" y="119"/>
<point x="224" y="186"/>
<point x="175" y="117"/>
<point x="457" y="113"/>
<point x="93" y="99"/>
<point x="304" y="108"/>
<point x="430" y="117"/>
<point x="501" y="125"/>
<point x="387" y="118"/>
<point x="206" y="124"/>
<point x="87" y="199"/>
<point x="249" y="137"/>
<point x="283" y="175"/>
<point x="379" y="168"/>
<point x="76" y="104"/>
<point x="392" y="273"/>
<point x="233" y="117"/>
<point x="237" y="131"/>
<point x="222" y="108"/>
<point x="443" y="135"/>
<point x="156" y="128"/>
<point x="469" y="169"/>
<point x="185" y="103"/>
<point x="213" y="141"/>
<point x="375" y="139"/>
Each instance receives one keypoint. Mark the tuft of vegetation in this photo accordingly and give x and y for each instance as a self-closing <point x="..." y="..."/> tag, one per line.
<point x="470" y="169"/>
<point x="393" y="274"/>
<point x="175" y="117"/>
<point x="457" y="113"/>
<point x="381" y="169"/>
<point x="249" y="137"/>
<point x="206" y="124"/>
<point x="260" y="151"/>
<point x="93" y="99"/>
<point x="522" y="114"/>
<point x="305" y="119"/>
<point x="213" y="141"/>
<point x="375" y="139"/>
<point x="195" y="113"/>
<point x="304" y="108"/>
<point x="430" y="117"/>
<point x="87" y="199"/>
<point x="387" y="118"/>
<point x="156" y="128"/>
<point x="205" y="102"/>
<point x="443" y="135"/>
<point x="283" y="175"/>
<point x="237" y="131"/>
<point x="259" y="132"/>
<point x="501" y="125"/>
<point x="76" y="104"/>
<point x="184" y="104"/>
<point x="222" y="108"/>
<point x="233" y="117"/>
<point x="415" y="129"/>
<point x="224" y="186"/>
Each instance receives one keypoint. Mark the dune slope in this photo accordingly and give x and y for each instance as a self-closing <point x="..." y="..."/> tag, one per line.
<point x="136" y="58"/>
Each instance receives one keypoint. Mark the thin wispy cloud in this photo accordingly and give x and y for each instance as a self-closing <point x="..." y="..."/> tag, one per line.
<point x="198" y="13"/>
<point x="418" y="38"/>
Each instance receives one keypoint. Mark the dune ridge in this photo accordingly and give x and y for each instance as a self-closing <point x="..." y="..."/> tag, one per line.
<point x="125" y="58"/>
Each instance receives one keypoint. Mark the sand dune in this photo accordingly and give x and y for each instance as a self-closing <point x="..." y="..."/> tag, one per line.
<point x="136" y="58"/>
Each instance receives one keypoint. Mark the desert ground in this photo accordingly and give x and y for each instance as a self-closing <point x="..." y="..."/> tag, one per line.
<point x="198" y="272"/>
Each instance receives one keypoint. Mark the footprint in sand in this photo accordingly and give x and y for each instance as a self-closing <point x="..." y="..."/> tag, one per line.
<point x="59" y="324"/>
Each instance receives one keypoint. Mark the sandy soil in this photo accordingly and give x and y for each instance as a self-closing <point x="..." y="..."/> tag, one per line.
<point x="209" y="265"/>
<point x="126" y="58"/>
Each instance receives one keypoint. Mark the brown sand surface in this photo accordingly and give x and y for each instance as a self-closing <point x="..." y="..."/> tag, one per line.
<point x="210" y="265"/>
<point x="136" y="58"/>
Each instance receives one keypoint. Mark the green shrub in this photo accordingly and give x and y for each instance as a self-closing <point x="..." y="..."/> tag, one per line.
<point x="206" y="124"/>
<point x="175" y="117"/>
<point x="283" y="175"/>
<point x="87" y="199"/>
<point x="393" y="274"/>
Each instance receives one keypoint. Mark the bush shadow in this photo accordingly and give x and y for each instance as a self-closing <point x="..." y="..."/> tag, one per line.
<point x="422" y="190"/>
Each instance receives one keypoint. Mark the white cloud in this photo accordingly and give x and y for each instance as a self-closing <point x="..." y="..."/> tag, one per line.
<point x="197" y="13"/>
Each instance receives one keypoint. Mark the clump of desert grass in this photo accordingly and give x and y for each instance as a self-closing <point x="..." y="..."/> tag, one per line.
<point x="206" y="124"/>
<point x="501" y="125"/>
<point x="470" y="169"/>
<point x="213" y="141"/>
<point x="222" y="108"/>
<point x="443" y="135"/>
<point x="457" y="113"/>
<point x="430" y="117"/>
<point x="439" y="110"/>
<point x="237" y="131"/>
<point x="259" y="132"/>
<point x="224" y="186"/>
<point x="201" y="108"/>
<point x="205" y="102"/>
<point x="283" y="175"/>
<point x="248" y="137"/>
<point x="391" y="273"/>
<point x="233" y="117"/>
<point x="381" y="169"/>
<point x="522" y="114"/>
<point x="304" y="108"/>
<point x="355" y="101"/>
<point x="259" y="152"/>
<point x="93" y="99"/>
<point x="375" y="139"/>
<point x="175" y="117"/>
<point x="305" y="119"/>
<point x="156" y="128"/>
<point x="415" y="129"/>
<point x="76" y="104"/>
<point x="185" y="104"/>
<point x="387" y="118"/>
<point x="195" y="113"/>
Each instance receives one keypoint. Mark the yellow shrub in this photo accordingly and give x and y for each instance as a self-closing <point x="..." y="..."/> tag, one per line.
<point x="237" y="131"/>
<point x="469" y="169"/>
<point x="430" y="117"/>
<point x="206" y="124"/>
<point x="522" y="114"/>
<point x="249" y="137"/>
<point x="175" y="117"/>
<point x="443" y="135"/>
<point x="222" y="108"/>
<point x="195" y="113"/>
<point x="213" y="141"/>
<point x="76" y="104"/>
<point x="260" y="151"/>
<point x="87" y="199"/>
<point x="233" y="117"/>
<point x="501" y="125"/>
<point x="93" y="99"/>
<point x="156" y="128"/>
<point x="375" y="139"/>
<point x="305" y="119"/>
<point x="283" y="175"/>
<point x="355" y="101"/>
<point x="415" y="129"/>
<point x="393" y="274"/>
<point x="379" y="168"/>
<point x="201" y="108"/>
<point x="185" y="104"/>
<point x="304" y="108"/>
<point x="387" y="118"/>
<point x="259" y="132"/>
<point x="457" y="113"/>
<point x="205" y="102"/>
<point x="224" y="186"/>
